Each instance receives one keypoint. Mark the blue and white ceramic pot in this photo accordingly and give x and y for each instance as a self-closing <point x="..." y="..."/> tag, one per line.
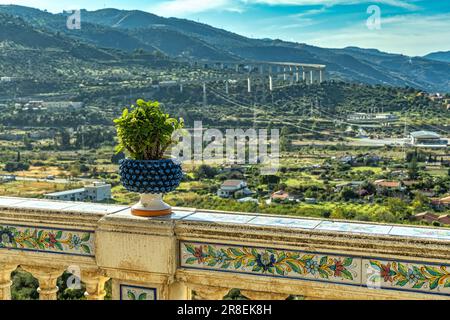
<point x="150" y="178"/>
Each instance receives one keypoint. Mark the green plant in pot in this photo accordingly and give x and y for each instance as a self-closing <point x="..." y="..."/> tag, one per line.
<point x="145" y="135"/>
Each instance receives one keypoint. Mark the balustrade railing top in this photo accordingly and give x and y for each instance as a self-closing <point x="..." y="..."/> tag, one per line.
<point x="211" y="252"/>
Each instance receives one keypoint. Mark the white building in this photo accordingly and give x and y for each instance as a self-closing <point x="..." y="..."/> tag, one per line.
<point x="230" y="187"/>
<point x="96" y="192"/>
<point x="427" y="139"/>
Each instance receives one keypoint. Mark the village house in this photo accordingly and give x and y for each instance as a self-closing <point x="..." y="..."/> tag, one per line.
<point x="387" y="185"/>
<point x="281" y="195"/>
<point x="441" y="203"/>
<point x="233" y="188"/>
<point x="354" y="185"/>
<point x="432" y="217"/>
<point x="96" y="192"/>
<point x="444" y="219"/>
<point x="426" y="216"/>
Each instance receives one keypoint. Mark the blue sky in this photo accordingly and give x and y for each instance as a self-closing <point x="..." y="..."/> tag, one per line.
<point x="411" y="27"/>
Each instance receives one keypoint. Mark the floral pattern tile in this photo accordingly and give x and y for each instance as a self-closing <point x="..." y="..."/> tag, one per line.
<point x="270" y="262"/>
<point x="353" y="227"/>
<point x="407" y="276"/>
<point x="286" y="222"/>
<point x="220" y="217"/>
<point x="46" y="240"/>
<point x="440" y="234"/>
<point x="128" y="292"/>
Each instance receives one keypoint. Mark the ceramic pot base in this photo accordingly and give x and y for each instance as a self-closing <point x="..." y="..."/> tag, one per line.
<point x="151" y="205"/>
<point x="150" y="213"/>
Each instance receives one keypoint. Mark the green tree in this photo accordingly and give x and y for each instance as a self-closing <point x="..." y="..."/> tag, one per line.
<point x="413" y="169"/>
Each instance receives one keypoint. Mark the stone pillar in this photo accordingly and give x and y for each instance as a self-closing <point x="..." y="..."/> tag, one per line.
<point x="95" y="285"/>
<point x="179" y="291"/>
<point x="321" y="75"/>
<point x="47" y="278"/>
<point x="5" y="280"/>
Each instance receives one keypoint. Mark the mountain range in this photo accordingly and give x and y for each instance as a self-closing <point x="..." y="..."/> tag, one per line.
<point x="107" y="32"/>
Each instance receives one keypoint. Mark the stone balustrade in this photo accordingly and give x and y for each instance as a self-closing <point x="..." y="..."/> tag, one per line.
<point x="209" y="253"/>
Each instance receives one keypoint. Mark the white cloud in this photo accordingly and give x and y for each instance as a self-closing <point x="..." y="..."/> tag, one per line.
<point x="329" y="3"/>
<point x="412" y="34"/>
<point x="186" y="7"/>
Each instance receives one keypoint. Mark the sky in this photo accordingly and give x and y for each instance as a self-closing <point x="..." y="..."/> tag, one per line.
<point x="410" y="27"/>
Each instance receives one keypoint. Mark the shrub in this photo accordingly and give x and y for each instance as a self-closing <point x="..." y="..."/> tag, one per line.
<point x="145" y="131"/>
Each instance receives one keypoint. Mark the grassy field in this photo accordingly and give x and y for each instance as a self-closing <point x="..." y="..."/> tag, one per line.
<point x="31" y="189"/>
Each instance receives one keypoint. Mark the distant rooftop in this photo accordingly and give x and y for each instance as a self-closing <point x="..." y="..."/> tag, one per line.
<point x="66" y="192"/>
<point x="425" y="134"/>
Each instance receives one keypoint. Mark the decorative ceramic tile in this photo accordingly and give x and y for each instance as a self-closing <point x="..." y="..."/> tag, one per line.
<point x="286" y="222"/>
<point x="95" y="208"/>
<point x="353" y="227"/>
<point x="27" y="238"/>
<point x="270" y="262"/>
<point x="440" y="234"/>
<point x="5" y="202"/>
<point x="128" y="292"/>
<point x="220" y="217"/>
<point x="43" y="205"/>
<point x="410" y="276"/>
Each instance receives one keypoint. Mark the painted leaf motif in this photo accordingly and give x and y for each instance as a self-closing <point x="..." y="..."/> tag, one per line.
<point x="131" y="295"/>
<point x="191" y="260"/>
<point x="347" y="275"/>
<point x="433" y="271"/>
<point x="279" y="270"/>
<point x="348" y="262"/>
<point x="142" y="296"/>
<point x="86" y="237"/>
<point x="402" y="283"/>
<point x="58" y="235"/>
<point x="323" y="261"/>
<point x="402" y="269"/>
<point x="85" y="248"/>
<point x="281" y="257"/>
<point x="190" y="248"/>
<point x="293" y="266"/>
<point x="236" y="252"/>
<point x="376" y="265"/>
<point x="434" y="284"/>
<point x="323" y="273"/>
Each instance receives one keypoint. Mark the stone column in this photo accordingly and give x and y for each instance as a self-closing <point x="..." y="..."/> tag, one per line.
<point x="47" y="278"/>
<point x="179" y="291"/>
<point x="95" y="285"/>
<point x="5" y="280"/>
